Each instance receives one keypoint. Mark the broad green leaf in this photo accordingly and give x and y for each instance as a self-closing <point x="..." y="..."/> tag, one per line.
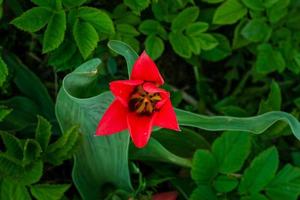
<point x="10" y="190"/>
<point x="184" y="18"/>
<point x="238" y="40"/>
<point x="203" y="192"/>
<point x="43" y="132"/>
<point x="231" y="150"/>
<point x="278" y="10"/>
<point x="256" y="196"/>
<point x="32" y="173"/>
<point x="12" y="144"/>
<point x="229" y="12"/>
<point x="43" y="3"/>
<point x="137" y="5"/>
<point x="256" y="30"/>
<point x="195" y="29"/>
<point x="48" y="192"/>
<point x="92" y="168"/>
<point x="86" y="37"/>
<point x="207" y="41"/>
<point x="126" y="51"/>
<point x="204" y="167"/>
<point x="180" y="44"/>
<point x="194" y="44"/>
<point x="73" y="3"/>
<point x="98" y="19"/>
<point x="221" y="51"/>
<point x="3" y="72"/>
<point x="4" y="112"/>
<point x="286" y="184"/>
<point x="55" y="32"/>
<point x="269" y="3"/>
<point x="154" y="46"/>
<point x="273" y="102"/>
<point x="31" y="86"/>
<point x="33" y="20"/>
<point x="225" y="183"/>
<point x="31" y="150"/>
<point x="257" y="124"/>
<point x="260" y="172"/>
<point x="152" y="27"/>
<point x="154" y="151"/>
<point x="213" y="1"/>
<point x="10" y="166"/>
<point x="127" y="30"/>
<point x="269" y="60"/>
<point x="256" y="5"/>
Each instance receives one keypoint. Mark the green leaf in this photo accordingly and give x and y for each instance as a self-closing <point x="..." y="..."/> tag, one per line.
<point x="238" y="40"/>
<point x="273" y="102"/>
<point x="260" y="172"/>
<point x="137" y="5"/>
<point x="278" y="10"/>
<point x="154" y="46"/>
<point x="231" y="150"/>
<point x="194" y="44"/>
<point x="221" y="51"/>
<point x="48" y="192"/>
<point x="256" y="5"/>
<point x="213" y="1"/>
<point x="10" y="166"/>
<point x="204" y="167"/>
<point x="203" y="192"/>
<point x="92" y="168"/>
<point x="256" y="30"/>
<point x="73" y="3"/>
<point x="269" y="60"/>
<point x="257" y="124"/>
<point x="152" y="27"/>
<point x="10" y="190"/>
<point x="32" y="151"/>
<point x="86" y="37"/>
<point x="43" y="132"/>
<point x="180" y="44"/>
<point x="55" y="32"/>
<point x="207" y="41"/>
<point x="33" y="20"/>
<point x="225" y="183"/>
<point x="229" y="12"/>
<point x="256" y="196"/>
<point x="154" y="151"/>
<point x="195" y="29"/>
<point x="12" y="144"/>
<point x="3" y="72"/>
<point x="127" y="30"/>
<point x="286" y="184"/>
<point x="32" y="173"/>
<point x="4" y="112"/>
<point x="98" y="19"/>
<point x="184" y="18"/>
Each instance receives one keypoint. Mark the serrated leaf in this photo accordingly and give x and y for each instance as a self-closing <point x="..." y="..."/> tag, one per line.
<point x="32" y="151"/>
<point x="48" y="192"/>
<point x="229" y="12"/>
<point x="3" y="72"/>
<point x="256" y="30"/>
<point x="98" y="19"/>
<point x="86" y="37"/>
<point x="43" y="132"/>
<point x="10" y="166"/>
<point x="137" y="5"/>
<point x="260" y="172"/>
<point x="32" y="173"/>
<point x="286" y="184"/>
<point x="231" y="150"/>
<point x="204" y="167"/>
<point x="152" y="27"/>
<point x="33" y="20"/>
<point x="180" y="44"/>
<point x="154" y="46"/>
<point x="55" y="32"/>
<point x="10" y="190"/>
<point x="184" y="18"/>
<point x="12" y="144"/>
<point x="273" y="101"/>
<point x="195" y="29"/>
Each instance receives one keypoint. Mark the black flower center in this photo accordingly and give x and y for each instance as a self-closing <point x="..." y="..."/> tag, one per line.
<point x="143" y="102"/>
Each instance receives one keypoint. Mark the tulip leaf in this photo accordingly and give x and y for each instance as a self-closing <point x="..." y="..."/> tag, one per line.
<point x="257" y="124"/>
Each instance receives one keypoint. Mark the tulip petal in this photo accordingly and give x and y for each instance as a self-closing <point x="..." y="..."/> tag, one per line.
<point x="123" y="89"/>
<point x="114" y="119"/>
<point x="145" y="69"/>
<point x="166" y="117"/>
<point x="140" y="128"/>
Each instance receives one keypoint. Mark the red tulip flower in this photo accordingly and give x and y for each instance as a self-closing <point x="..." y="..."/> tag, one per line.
<point x="139" y="104"/>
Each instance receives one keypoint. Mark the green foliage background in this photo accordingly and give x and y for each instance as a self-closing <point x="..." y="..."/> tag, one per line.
<point x="237" y="58"/>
